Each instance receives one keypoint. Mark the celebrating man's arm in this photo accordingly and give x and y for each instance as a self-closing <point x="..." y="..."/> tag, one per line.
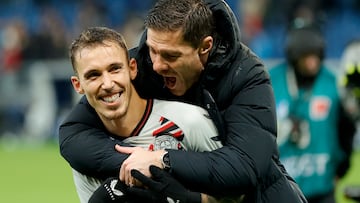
<point x="250" y="143"/>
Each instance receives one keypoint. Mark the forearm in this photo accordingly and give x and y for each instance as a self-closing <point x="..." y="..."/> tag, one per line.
<point x="91" y="153"/>
<point x="233" y="170"/>
<point x="200" y="172"/>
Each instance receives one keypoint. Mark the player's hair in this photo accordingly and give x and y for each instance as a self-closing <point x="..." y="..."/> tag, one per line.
<point x="193" y="17"/>
<point x="96" y="36"/>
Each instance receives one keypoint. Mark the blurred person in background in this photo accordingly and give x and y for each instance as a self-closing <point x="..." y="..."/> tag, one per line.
<point x="350" y="82"/>
<point x="13" y="36"/>
<point x="350" y="77"/>
<point x="315" y="133"/>
<point x="47" y="43"/>
<point x="29" y="105"/>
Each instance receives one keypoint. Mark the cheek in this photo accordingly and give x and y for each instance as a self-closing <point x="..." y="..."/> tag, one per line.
<point x="190" y="75"/>
<point x="91" y="88"/>
<point x="193" y="68"/>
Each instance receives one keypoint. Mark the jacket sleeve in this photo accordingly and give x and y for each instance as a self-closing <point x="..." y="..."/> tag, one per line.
<point x="250" y="140"/>
<point x="86" y="146"/>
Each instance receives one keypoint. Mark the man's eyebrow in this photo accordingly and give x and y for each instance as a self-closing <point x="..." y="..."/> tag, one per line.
<point x="121" y="64"/>
<point x="170" y="52"/>
<point x="89" y="72"/>
<point x="167" y="51"/>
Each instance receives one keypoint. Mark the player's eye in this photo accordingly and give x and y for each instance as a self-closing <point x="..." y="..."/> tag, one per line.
<point x="91" y="75"/>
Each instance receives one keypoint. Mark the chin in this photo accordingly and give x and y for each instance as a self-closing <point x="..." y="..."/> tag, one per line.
<point x="177" y="92"/>
<point x="112" y="115"/>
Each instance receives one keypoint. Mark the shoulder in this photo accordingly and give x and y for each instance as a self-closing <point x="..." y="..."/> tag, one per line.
<point x="247" y="69"/>
<point x="180" y="112"/>
<point x="177" y="107"/>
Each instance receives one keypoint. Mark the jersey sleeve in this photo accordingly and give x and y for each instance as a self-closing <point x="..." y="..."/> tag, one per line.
<point x="85" y="185"/>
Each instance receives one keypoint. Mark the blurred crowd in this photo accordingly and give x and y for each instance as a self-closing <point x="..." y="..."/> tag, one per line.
<point x="35" y="35"/>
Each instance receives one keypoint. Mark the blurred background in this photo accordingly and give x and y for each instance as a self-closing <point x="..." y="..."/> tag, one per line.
<point x="35" y="87"/>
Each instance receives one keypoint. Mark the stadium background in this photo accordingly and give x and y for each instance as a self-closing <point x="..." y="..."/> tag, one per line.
<point x="36" y="92"/>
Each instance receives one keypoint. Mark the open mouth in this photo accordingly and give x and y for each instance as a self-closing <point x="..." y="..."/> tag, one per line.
<point x="170" y="82"/>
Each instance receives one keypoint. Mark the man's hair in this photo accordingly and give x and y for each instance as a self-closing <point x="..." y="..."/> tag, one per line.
<point x="193" y="17"/>
<point x="96" y="36"/>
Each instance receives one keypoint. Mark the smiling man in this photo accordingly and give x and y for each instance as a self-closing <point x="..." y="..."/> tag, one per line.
<point x="104" y="74"/>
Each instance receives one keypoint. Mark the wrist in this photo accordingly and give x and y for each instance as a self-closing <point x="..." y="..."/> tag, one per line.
<point x="165" y="161"/>
<point x="207" y="199"/>
<point x="204" y="198"/>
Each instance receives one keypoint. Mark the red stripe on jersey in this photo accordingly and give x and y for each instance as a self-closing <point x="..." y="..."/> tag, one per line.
<point x="164" y="128"/>
<point x="140" y="125"/>
<point x="178" y="134"/>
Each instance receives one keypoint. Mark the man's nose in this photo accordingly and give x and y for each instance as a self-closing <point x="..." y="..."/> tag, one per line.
<point x="159" y="65"/>
<point x="108" y="82"/>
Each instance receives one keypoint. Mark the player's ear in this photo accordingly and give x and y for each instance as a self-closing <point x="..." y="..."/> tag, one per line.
<point x="76" y="84"/>
<point x="133" y="68"/>
<point x="206" y="45"/>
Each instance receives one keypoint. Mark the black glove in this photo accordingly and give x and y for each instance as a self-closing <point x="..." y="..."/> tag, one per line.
<point x="113" y="190"/>
<point x="162" y="187"/>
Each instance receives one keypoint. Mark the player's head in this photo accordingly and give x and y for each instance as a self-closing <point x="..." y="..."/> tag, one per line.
<point x="95" y="36"/>
<point x="103" y="71"/>
<point x="304" y="50"/>
<point x="192" y="17"/>
<point x="179" y="37"/>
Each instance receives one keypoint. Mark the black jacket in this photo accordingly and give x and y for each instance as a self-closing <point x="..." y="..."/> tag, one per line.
<point x="235" y="88"/>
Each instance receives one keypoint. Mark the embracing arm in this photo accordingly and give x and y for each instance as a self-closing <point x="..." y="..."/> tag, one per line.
<point x="250" y="141"/>
<point x="85" y="144"/>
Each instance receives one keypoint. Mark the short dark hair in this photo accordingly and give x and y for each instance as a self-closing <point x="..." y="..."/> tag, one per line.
<point x="193" y="17"/>
<point x="95" y="36"/>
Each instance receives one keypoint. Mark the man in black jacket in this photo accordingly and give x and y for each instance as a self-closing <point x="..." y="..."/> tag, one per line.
<point x="192" y="52"/>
